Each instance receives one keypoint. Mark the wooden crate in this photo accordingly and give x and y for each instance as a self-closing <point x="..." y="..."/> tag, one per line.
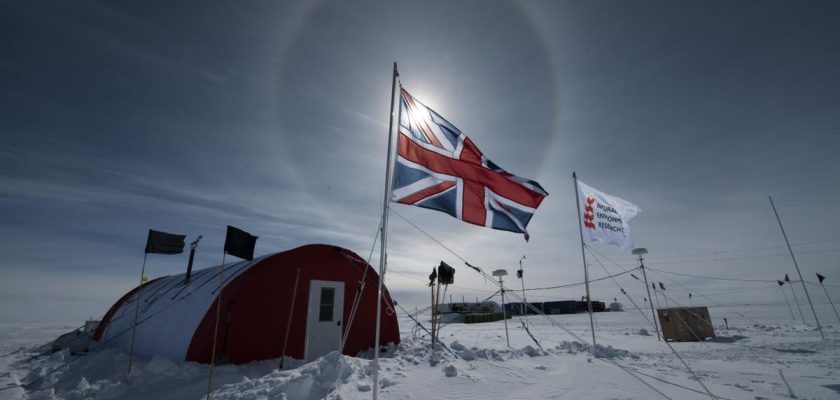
<point x="685" y="323"/>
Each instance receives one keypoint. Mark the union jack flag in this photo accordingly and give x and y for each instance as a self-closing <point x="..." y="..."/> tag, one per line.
<point x="439" y="168"/>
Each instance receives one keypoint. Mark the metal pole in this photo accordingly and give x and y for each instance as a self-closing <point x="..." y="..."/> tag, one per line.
<point x="830" y="302"/>
<point x="193" y="246"/>
<point x="136" y="312"/>
<point x="436" y="313"/>
<point x="793" y="317"/>
<point x="808" y="296"/>
<point x="383" y="244"/>
<point x="432" y="322"/>
<point x="585" y="268"/>
<point x="216" y="326"/>
<point x="289" y="320"/>
<point x="504" y="311"/>
<point x="524" y="300"/>
<point x="650" y="300"/>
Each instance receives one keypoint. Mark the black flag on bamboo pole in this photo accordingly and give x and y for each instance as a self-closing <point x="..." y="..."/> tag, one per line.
<point x="240" y="243"/>
<point x="164" y="243"/>
<point x="156" y="243"/>
<point x="822" y="278"/>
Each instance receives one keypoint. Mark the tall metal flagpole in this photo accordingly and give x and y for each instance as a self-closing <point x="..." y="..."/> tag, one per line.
<point x="383" y="245"/>
<point x="819" y="327"/>
<point x="585" y="269"/>
<point x="136" y="312"/>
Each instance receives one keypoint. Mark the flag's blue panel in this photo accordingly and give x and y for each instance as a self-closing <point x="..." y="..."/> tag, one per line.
<point x="443" y="202"/>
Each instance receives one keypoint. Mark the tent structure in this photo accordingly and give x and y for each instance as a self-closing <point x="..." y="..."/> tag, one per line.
<point x="176" y="317"/>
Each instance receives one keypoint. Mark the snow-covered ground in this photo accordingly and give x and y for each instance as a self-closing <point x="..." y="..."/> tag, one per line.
<point x="762" y="355"/>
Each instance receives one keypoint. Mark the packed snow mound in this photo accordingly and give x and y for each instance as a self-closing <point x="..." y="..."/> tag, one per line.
<point x="316" y="380"/>
<point x="102" y="375"/>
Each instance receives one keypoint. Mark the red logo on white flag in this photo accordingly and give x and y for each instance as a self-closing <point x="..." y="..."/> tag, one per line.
<point x="589" y="213"/>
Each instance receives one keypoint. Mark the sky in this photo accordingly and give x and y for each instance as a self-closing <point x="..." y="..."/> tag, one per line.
<point x="185" y="117"/>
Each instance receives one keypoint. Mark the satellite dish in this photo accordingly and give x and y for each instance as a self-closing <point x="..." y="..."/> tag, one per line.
<point x="500" y="272"/>
<point x="639" y="251"/>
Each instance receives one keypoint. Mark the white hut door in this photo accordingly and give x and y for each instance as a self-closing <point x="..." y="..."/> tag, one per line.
<point x="324" y="318"/>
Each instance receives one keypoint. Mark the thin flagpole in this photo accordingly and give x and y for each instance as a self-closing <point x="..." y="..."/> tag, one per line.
<point x="819" y="327"/>
<point x="830" y="302"/>
<point x="796" y="300"/>
<point x="524" y="300"/>
<point x="793" y="317"/>
<point x="136" y="312"/>
<point x="216" y="326"/>
<point x="585" y="269"/>
<point x="650" y="299"/>
<point x="383" y="244"/>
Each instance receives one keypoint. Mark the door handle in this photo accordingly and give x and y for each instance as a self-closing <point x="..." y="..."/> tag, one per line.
<point x="338" y="323"/>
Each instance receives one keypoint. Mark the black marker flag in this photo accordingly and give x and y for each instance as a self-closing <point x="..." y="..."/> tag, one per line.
<point x="240" y="243"/>
<point x="164" y="243"/>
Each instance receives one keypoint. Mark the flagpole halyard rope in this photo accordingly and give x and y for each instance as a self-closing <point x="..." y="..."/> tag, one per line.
<point x="362" y="284"/>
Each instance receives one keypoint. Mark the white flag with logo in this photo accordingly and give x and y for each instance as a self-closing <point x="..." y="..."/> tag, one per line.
<point x="605" y="218"/>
